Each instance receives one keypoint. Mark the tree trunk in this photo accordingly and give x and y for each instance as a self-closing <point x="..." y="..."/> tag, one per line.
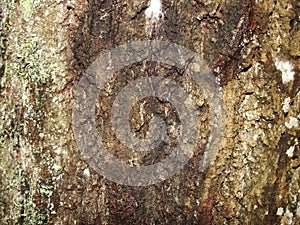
<point x="252" y="50"/>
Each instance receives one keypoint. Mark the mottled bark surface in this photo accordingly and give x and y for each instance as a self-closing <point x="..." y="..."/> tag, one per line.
<point x="251" y="46"/>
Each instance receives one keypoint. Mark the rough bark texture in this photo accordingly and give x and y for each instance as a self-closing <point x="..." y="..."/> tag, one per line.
<point x="252" y="46"/>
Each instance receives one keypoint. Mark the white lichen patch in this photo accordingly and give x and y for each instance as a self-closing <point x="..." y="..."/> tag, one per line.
<point x="289" y="216"/>
<point x="154" y="16"/>
<point x="286" y="104"/>
<point x="279" y="211"/>
<point x="27" y="6"/>
<point x="56" y="167"/>
<point x="292" y="122"/>
<point x="290" y="151"/>
<point x="86" y="173"/>
<point x="286" y="69"/>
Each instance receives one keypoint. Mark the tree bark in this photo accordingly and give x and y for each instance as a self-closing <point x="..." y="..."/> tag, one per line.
<point x="251" y="47"/>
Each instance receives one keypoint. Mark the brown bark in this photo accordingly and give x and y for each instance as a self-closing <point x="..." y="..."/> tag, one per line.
<point x="251" y="46"/>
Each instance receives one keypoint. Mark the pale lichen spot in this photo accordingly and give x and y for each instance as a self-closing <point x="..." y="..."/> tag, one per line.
<point x="290" y="216"/>
<point x="292" y="122"/>
<point x="279" y="211"/>
<point x="26" y="6"/>
<point x="286" y="69"/>
<point x="290" y="151"/>
<point x="286" y="105"/>
<point x="86" y="173"/>
<point x="56" y="167"/>
<point x="154" y="16"/>
<point x="154" y="11"/>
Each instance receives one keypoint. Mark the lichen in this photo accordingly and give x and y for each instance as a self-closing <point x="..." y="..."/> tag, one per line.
<point x="154" y="16"/>
<point x="286" y="69"/>
<point x="26" y="6"/>
<point x="257" y="170"/>
<point x="27" y="141"/>
<point x="291" y="122"/>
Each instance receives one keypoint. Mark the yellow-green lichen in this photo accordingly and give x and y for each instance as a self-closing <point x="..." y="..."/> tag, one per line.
<point x="28" y="7"/>
<point x="25" y="154"/>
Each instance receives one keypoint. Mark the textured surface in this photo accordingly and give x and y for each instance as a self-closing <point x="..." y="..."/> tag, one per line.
<point x="252" y="46"/>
